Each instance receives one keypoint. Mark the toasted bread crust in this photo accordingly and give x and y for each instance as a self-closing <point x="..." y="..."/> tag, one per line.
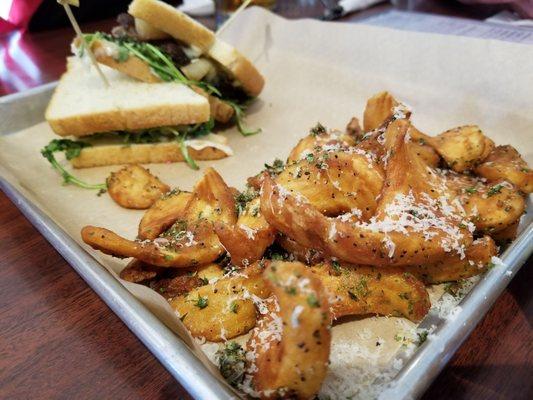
<point x="158" y="153"/>
<point x="147" y="31"/>
<point x="238" y="67"/>
<point x="117" y="120"/>
<point x="82" y="125"/>
<point x="220" y="111"/>
<point x="133" y="66"/>
<point x="245" y="72"/>
<point x="168" y="19"/>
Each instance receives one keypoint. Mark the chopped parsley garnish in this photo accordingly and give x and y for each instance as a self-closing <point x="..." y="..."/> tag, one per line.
<point x="313" y="301"/>
<point x="242" y="199"/>
<point x="276" y="257"/>
<point x="72" y="149"/>
<point x="318" y="129"/>
<point x="201" y="302"/>
<point x="234" y="307"/>
<point x="471" y="190"/>
<point x="276" y="168"/>
<point x="204" y="281"/>
<point x="232" y="363"/>
<point x="414" y="213"/>
<point x="494" y="190"/>
<point x="422" y="337"/>
<point x="454" y="288"/>
<point x="290" y="290"/>
<point x="336" y="266"/>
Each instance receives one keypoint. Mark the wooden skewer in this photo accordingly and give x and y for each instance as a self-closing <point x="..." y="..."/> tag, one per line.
<point x="70" y="15"/>
<point x="230" y="19"/>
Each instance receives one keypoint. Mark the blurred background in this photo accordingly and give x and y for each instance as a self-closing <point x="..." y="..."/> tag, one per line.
<point x="35" y="35"/>
<point x="38" y="15"/>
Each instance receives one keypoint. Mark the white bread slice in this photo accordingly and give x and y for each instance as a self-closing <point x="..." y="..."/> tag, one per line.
<point x="138" y="69"/>
<point x="146" y="31"/>
<point x="82" y="105"/>
<point x="140" y="154"/>
<point x="185" y="29"/>
<point x="168" y="19"/>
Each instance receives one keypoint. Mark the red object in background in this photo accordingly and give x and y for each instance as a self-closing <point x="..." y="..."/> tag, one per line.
<point x="19" y="15"/>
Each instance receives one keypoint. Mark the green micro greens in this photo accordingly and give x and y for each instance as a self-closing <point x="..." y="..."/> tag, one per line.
<point x="72" y="150"/>
<point x="239" y="117"/>
<point x="183" y="133"/>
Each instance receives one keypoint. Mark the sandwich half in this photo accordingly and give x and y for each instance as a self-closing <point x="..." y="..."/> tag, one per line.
<point x="130" y="121"/>
<point x="156" y="42"/>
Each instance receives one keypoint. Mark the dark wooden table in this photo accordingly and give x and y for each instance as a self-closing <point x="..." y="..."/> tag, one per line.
<point x="59" y="340"/>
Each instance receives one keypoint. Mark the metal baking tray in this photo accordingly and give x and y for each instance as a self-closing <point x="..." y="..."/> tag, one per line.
<point x="21" y="110"/>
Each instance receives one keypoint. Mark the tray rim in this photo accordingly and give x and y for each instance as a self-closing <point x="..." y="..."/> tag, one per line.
<point x="411" y="381"/>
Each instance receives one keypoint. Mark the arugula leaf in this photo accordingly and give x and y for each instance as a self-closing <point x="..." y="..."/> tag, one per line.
<point x="123" y="54"/>
<point x="182" y="134"/>
<point x="494" y="190"/>
<point x="72" y="150"/>
<point x="239" y="119"/>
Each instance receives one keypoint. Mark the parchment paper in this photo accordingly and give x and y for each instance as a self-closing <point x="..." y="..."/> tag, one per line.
<point x="315" y="71"/>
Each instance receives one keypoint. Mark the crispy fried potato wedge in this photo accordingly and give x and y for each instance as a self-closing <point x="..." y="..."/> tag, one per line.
<point x="247" y="240"/>
<point x="136" y="271"/>
<point x="212" y="200"/>
<point x="317" y="139"/>
<point x="371" y="146"/>
<point x="289" y="349"/>
<point x="410" y="227"/>
<point x="189" y="246"/>
<point x="135" y="187"/>
<point x="463" y="147"/>
<point x="354" y="130"/>
<point x="419" y="143"/>
<point x="507" y="235"/>
<point x="493" y="208"/>
<point x="360" y="290"/>
<point x="163" y="213"/>
<point x="335" y="182"/>
<point x="181" y="281"/>
<point x="224" y="309"/>
<point x="380" y="109"/>
<point x="504" y="162"/>
<point x="478" y="256"/>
